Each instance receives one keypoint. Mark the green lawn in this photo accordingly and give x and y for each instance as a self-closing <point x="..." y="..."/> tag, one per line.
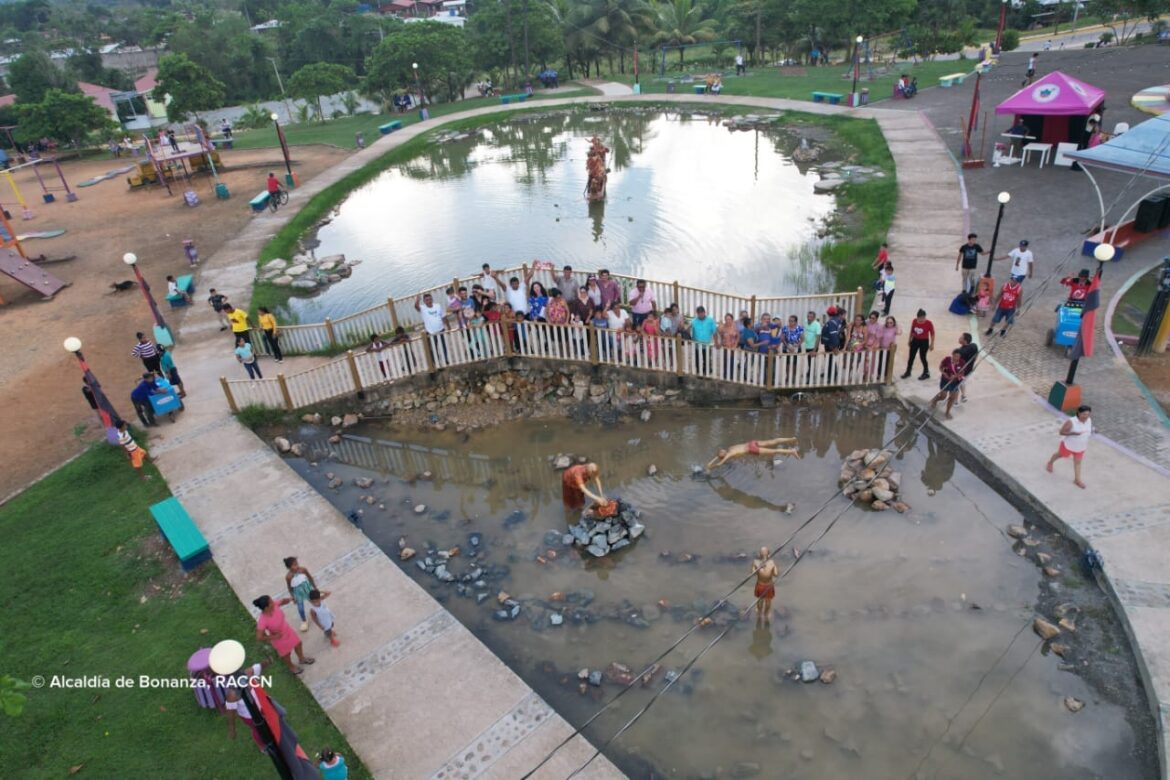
<point x="798" y="83"/>
<point x="91" y="592"/>
<point x="341" y="132"/>
<point x="1133" y="306"/>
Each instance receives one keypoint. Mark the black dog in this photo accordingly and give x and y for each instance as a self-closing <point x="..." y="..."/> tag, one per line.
<point x="123" y="286"/>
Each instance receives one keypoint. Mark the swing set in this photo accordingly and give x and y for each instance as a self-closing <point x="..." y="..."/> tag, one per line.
<point x="48" y="188"/>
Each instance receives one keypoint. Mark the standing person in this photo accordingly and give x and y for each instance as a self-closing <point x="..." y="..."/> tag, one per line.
<point x="1075" y="435"/>
<point x="883" y="257"/>
<point x="610" y="290"/>
<point x="377" y="346"/>
<point x="739" y="66"/>
<point x="332" y="765"/>
<point x="921" y="342"/>
<point x="568" y="284"/>
<point x="238" y="320"/>
<point x="247" y="358"/>
<point x="557" y="310"/>
<point x="1006" y="304"/>
<point x="766" y="573"/>
<point x="167" y="367"/>
<point x="729" y="337"/>
<point x="581" y="306"/>
<point x="174" y="142"/>
<point x="833" y="337"/>
<point x="300" y="583"/>
<point x="641" y="301"/>
<point x="433" y="319"/>
<point x="889" y="285"/>
<point x="574" y="488"/>
<point x="516" y="293"/>
<point x="537" y="301"/>
<point x="968" y="257"/>
<point x="271" y="627"/>
<point x="147" y="351"/>
<point x="812" y="341"/>
<point x="323" y="615"/>
<point x="137" y="454"/>
<point x="969" y="352"/>
<point x="140" y="399"/>
<point x="1031" y="72"/>
<point x="951" y="369"/>
<point x="1022" y="261"/>
<point x="271" y="333"/>
<point x="702" y="333"/>
<point x="487" y="280"/>
<point x="217" y="302"/>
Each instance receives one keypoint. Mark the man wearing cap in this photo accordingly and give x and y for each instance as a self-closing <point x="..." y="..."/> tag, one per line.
<point x="1021" y="262"/>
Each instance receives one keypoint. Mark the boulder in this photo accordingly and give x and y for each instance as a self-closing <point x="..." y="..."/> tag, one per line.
<point x="282" y="444"/>
<point x="297" y="270"/>
<point x="335" y="421"/>
<point x="420" y="509"/>
<point x="651" y="470"/>
<point x="349" y="420"/>
<point x="363" y="482"/>
<point x="305" y="284"/>
<point x="1073" y="704"/>
<point x="1016" y="531"/>
<point x="1044" y="629"/>
<point x="311" y="419"/>
<point x="809" y="672"/>
<point x="562" y="462"/>
<point x="297" y="450"/>
<point x="274" y="264"/>
<point x="282" y="281"/>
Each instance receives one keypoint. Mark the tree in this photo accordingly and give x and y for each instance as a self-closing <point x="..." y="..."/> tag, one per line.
<point x="33" y="74"/>
<point x="64" y="116"/>
<point x="681" y="22"/>
<point x="320" y="78"/>
<point x="441" y="51"/>
<point x="191" y="87"/>
<point x="1128" y="13"/>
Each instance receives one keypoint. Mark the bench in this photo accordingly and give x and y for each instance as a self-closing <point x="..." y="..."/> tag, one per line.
<point x="390" y="127"/>
<point x="834" y="98"/>
<point x="519" y="98"/>
<point x="700" y="89"/>
<point x="186" y="284"/>
<point x="952" y="79"/>
<point x="177" y="527"/>
<point x="260" y="202"/>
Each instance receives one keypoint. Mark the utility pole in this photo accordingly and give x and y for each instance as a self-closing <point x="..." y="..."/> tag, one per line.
<point x="527" y="69"/>
<point x="283" y="96"/>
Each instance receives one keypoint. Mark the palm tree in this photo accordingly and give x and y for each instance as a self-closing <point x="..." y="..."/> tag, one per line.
<point x="681" y="22"/>
<point x="619" y="23"/>
<point x="580" y="45"/>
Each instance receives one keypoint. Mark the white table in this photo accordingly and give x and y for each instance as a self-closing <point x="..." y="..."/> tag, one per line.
<point x="1043" y="149"/>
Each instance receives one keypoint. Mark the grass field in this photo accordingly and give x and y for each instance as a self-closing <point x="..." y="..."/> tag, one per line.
<point x="342" y="132"/>
<point x="1133" y="306"/>
<point x="92" y="590"/>
<point x="798" y="83"/>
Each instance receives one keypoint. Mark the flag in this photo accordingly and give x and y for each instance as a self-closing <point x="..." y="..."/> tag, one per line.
<point x="1084" y="343"/>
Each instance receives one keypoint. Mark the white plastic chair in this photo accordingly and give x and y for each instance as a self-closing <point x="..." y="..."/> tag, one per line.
<point x="1120" y="128"/>
<point x="1060" y="158"/>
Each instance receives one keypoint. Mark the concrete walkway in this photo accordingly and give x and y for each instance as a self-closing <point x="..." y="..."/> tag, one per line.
<point x="415" y="693"/>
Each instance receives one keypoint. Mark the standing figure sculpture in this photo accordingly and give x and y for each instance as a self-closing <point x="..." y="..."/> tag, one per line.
<point x="595" y="167"/>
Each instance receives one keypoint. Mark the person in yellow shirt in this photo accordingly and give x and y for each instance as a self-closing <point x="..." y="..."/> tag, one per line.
<point x="271" y="333"/>
<point x="238" y="319"/>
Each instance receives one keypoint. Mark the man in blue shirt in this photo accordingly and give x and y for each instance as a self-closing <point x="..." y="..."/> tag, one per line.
<point x="833" y="336"/>
<point x="702" y="332"/>
<point x="140" y="397"/>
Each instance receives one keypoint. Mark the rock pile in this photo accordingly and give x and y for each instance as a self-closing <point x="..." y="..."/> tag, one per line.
<point x="305" y="272"/>
<point x="867" y="477"/>
<point x="601" y="536"/>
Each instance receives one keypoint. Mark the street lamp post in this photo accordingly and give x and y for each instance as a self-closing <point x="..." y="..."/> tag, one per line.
<point x="1066" y="395"/>
<point x="856" y="66"/>
<point x="422" y="109"/>
<point x="162" y="333"/>
<point x="289" y="179"/>
<point x="999" y="30"/>
<point x="106" y="412"/>
<point x="1003" y="199"/>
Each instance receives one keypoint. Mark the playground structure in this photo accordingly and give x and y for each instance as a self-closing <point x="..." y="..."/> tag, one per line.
<point x="15" y="264"/>
<point x="48" y="189"/>
<point x="163" y="164"/>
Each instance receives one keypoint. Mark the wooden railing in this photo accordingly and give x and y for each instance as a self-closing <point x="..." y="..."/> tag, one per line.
<point x="354" y="330"/>
<point x="428" y="353"/>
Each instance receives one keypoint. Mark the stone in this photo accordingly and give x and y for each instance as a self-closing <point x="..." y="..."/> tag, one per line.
<point x="1044" y="629"/>
<point x="809" y="672"/>
<point x="275" y="264"/>
<point x="296" y="270"/>
<point x="562" y="462"/>
<point x="885" y="496"/>
<point x="807" y="754"/>
<point x="363" y="482"/>
<point x="1017" y="531"/>
<point x="1073" y="704"/>
<point x="556" y="619"/>
<point x="335" y="439"/>
<point x="552" y="538"/>
<point x="880" y="505"/>
<point x="406" y="553"/>
<point x="282" y="444"/>
<point x="349" y="420"/>
<point x="502" y="596"/>
<point x="420" y="509"/>
<point x="651" y="470"/>
<point x="829" y="676"/>
<point x="645" y="415"/>
<point x="1067" y="625"/>
<point x="901" y="507"/>
<point x="312" y="419"/>
<point x="827" y="185"/>
<point x="304" y="284"/>
<point x="335" y="483"/>
<point x="371" y="500"/>
<point x="583" y="674"/>
<point x="335" y="421"/>
<point x="595" y="679"/>
<point x="1059" y="649"/>
<point x="297" y="450"/>
<point x="283" y="281"/>
<point x="480" y="597"/>
<point x="474" y="539"/>
<point x="1043" y="558"/>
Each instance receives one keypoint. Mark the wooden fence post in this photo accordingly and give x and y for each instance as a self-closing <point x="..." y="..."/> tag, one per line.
<point x="678" y="350"/>
<point x="393" y="313"/>
<point x="770" y="370"/>
<point x="428" y="352"/>
<point x="893" y="350"/>
<point x="593" y="335"/>
<point x="859" y="301"/>
<point x="752" y="310"/>
<point x="506" y="335"/>
<point x="353" y="370"/>
<point x="288" y="404"/>
<point x="227" y="390"/>
<point x="329" y="332"/>
<point x="674" y="287"/>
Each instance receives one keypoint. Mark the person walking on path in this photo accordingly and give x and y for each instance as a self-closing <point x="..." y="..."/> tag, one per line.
<point x="1075" y="435"/>
<point x="889" y="285"/>
<point x="951" y="369"/>
<point x="1030" y="74"/>
<point x="271" y="627"/>
<point x="137" y="454"/>
<point x="1006" y="304"/>
<point x="167" y="364"/>
<point x="766" y="573"/>
<point x="921" y="342"/>
<point x="218" y="303"/>
<point x="968" y="258"/>
<point x="271" y="333"/>
<point x="238" y="319"/>
<point x="140" y="398"/>
<point x="323" y="615"/>
<point x="1022" y="261"/>
<point x="969" y="351"/>
<point x="299" y="583"/>
<point x="147" y="351"/>
<point x="247" y="358"/>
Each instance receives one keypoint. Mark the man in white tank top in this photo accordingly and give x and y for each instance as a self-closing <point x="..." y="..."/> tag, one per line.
<point x="1074" y="441"/>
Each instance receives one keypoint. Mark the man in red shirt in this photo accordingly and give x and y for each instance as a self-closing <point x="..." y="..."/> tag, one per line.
<point x="1006" y="304"/>
<point x="1078" y="287"/>
<point x="921" y="342"/>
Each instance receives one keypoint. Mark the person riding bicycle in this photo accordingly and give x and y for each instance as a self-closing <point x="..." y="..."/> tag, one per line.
<point x="274" y="190"/>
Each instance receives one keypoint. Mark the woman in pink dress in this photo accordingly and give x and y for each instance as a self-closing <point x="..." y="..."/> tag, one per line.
<point x="890" y="333"/>
<point x="273" y="628"/>
<point x="873" y="339"/>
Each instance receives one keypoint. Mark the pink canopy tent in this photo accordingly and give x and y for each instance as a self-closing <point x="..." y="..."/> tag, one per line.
<point x="1048" y="107"/>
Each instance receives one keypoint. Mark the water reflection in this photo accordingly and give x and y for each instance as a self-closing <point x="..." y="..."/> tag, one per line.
<point x="687" y="200"/>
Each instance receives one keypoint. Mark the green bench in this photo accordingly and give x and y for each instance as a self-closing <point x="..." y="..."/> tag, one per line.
<point x="833" y="98"/>
<point x="186" y="284"/>
<point x="390" y="127"/>
<point x="180" y="531"/>
<point x="260" y="202"/>
<point x="520" y="98"/>
<point x="952" y="79"/>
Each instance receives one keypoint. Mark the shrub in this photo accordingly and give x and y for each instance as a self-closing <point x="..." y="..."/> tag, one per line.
<point x="1010" y="40"/>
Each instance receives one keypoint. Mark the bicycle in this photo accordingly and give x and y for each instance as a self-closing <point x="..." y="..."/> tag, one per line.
<point x="278" y="198"/>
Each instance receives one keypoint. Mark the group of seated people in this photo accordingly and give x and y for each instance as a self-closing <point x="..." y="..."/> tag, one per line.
<point x="906" y="87"/>
<point x="714" y="84"/>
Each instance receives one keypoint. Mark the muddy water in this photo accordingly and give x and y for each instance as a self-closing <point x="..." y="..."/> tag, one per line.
<point x="925" y="616"/>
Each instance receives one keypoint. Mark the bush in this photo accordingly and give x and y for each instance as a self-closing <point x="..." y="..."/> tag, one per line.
<point x="1010" y="40"/>
<point x="1106" y="37"/>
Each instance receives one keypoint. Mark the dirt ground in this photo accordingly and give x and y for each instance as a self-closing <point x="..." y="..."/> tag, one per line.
<point x="48" y="420"/>
<point x="1154" y="370"/>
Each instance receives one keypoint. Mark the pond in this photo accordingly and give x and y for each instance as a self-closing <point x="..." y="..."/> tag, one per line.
<point x="688" y="200"/>
<point x="925" y="617"/>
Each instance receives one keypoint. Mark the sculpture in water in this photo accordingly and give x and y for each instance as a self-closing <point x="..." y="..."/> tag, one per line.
<point x="595" y="167"/>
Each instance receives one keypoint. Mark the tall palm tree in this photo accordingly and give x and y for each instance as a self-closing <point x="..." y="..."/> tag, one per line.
<point x="682" y="22"/>
<point x="619" y="23"/>
<point x="580" y="45"/>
